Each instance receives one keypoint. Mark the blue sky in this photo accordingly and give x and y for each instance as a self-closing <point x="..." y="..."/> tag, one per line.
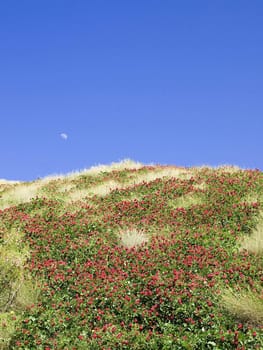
<point x="157" y="81"/>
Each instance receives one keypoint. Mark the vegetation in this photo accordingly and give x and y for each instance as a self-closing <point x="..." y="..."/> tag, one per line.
<point x="133" y="257"/>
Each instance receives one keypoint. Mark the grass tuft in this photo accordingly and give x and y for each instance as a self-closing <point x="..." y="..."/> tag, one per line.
<point x="133" y="238"/>
<point x="247" y="306"/>
<point x="254" y="242"/>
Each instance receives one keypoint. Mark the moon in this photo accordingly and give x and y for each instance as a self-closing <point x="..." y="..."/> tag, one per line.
<point x="64" y="136"/>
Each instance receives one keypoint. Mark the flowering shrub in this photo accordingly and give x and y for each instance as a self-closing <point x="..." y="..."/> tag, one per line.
<point x="166" y="294"/>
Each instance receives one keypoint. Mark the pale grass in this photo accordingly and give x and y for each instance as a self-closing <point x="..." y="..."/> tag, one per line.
<point x="12" y="257"/>
<point x="12" y="252"/>
<point x="200" y="186"/>
<point x="52" y="177"/>
<point x="123" y="164"/>
<point x="25" y="292"/>
<point x="254" y="242"/>
<point x="20" y="193"/>
<point x="226" y="168"/>
<point x="22" y="290"/>
<point x="167" y="172"/>
<point x="77" y="195"/>
<point x="66" y="187"/>
<point x="111" y="185"/>
<point x="104" y="189"/>
<point x="99" y="190"/>
<point x="7" y="182"/>
<point x="107" y="187"/>
<point x="144" y="178"/>
<point x="132" y="238"/>
<point x="95" y="170"/>
<point x="28" y="292"/>
<point x="253" y="198"/>
<point x="8" y="321"/>
<point x="245" y="305"/>
<point x="185" y="201"/>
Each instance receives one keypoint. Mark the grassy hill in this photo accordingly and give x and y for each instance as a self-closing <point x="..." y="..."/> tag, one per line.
<point x="129" y="256"/>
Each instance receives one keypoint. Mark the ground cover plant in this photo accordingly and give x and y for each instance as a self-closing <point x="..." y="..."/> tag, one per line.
<point x="133" y="257"/>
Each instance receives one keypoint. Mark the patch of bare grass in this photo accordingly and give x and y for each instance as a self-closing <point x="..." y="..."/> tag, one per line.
<point x="132" y="238"/>
<point x="247" y="306"/>
<point x="99" y="190"/>
<point x="19" y="193"/>
<point x="186" y="201"/>
<point x="169" y="172"/>
<point x="104" y="189"/>
<point x="254" y="242"/>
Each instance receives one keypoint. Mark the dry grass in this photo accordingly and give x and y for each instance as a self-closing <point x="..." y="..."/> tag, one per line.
<point x="19" y="193"/>
<point x="28" y="293"/>
<point x="11" y="251"/>
<point x="108" y="186"/>
<point x="132" y="238"/>
<point x="7" y="182"/>
<point x="104" y="189"/>
<point x="24" y="293"/>
<point x="253" y="198"/>
<point x="247" y="306"/>
<point x="19" y="289"/>
<point x="8" y="322"/>
<point x="52" y="177"/>
<point x="169" y="172"/>
<point x="95" y="170"/>
<point x="66" y="187"/>
<point x="124" y="164"/>
<point x="99" y="190"/>
<point x="200" y="186"/>
<point x="219" y="168"/>
<point x="254" y="242"/>
<point x="77" y="195"/>
<point x="186" y="201"/>
<point x="228" y="168"/>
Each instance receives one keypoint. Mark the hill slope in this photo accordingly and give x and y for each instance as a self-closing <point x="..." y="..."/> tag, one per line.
<point x="133" y="257"/>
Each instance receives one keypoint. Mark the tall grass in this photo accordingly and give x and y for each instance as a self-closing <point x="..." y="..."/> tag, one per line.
<point x="247" y="306"/>
<point x="19" y="193"/>
<point x="133" y="238"/>
<point x="95" y="170"/>
<point x="17" y="288"/>
<point x="254" y="242"/>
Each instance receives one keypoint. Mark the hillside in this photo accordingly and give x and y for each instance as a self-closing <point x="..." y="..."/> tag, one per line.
<point x="129" y="256"/>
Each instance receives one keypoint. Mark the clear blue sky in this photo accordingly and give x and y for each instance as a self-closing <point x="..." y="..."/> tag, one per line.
<point x="158" y="81"/>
